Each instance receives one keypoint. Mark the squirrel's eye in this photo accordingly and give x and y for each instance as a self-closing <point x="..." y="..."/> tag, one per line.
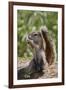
<point x="35" y="34"/>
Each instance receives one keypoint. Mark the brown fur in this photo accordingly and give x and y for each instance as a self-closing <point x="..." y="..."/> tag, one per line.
<point x="50" y="46"/>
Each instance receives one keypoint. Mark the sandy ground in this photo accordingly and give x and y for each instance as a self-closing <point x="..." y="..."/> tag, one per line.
<point x="22" y="75"/>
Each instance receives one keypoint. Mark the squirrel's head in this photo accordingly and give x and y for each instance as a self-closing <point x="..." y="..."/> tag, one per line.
<point x="36" y="40"/>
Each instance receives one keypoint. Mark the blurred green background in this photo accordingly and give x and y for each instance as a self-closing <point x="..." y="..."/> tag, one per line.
<point x="29" y="21"/>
